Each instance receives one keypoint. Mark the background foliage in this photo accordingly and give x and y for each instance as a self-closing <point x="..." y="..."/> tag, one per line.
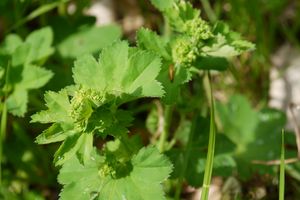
<point x="42" y="44"/>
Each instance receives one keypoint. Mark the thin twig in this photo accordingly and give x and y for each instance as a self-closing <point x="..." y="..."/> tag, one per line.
<point x="274" y="162"/>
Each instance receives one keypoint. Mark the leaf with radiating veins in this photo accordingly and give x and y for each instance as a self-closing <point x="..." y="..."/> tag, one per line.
<point x="121" y="71"/>
<point x="146" y="171"/>
<point x="59" y="108"/>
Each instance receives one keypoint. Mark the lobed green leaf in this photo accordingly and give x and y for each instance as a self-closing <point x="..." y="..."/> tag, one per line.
<point x="147" y="170"/>
<point x="120" y="71"/>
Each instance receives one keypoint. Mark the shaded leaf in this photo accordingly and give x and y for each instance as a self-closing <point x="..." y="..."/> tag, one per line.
<point x="88" y="40"/>
<point x="17" y="102"/>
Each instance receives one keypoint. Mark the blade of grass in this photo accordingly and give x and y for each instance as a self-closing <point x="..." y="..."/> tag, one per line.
<point x="282" y="166"/>
<point x="211" y="145"/>
<point x="37" y="12"/>
<point x="2" y="135"/>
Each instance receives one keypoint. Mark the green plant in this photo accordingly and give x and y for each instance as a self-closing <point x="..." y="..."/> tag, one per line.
<point x="153" y="118"/>
<point x="91" y="109"/>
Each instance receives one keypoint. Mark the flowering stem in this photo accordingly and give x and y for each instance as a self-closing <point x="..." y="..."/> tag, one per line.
<point x="211" y="145"/>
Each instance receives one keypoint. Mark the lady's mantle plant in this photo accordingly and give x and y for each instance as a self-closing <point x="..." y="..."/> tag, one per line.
<point x="192" y="45"/>
<point x="122" y="170"/>
<point x="157" y="67"/>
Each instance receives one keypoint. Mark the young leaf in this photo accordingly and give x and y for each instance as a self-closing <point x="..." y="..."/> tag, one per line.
<point x="162" y="5"/>
<point x="226" y="43"/>
<point x="149" y="40"/>
<point x="180" y="13"/>
<point x="58" y="111"/>
<point x="120" y="72"/>
<point x="54" y="133"/>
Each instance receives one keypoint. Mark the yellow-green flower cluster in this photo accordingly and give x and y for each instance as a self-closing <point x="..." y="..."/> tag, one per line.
<point x="186" y="49"/>
<point x="198" y="29"/>
<point x="83" y="104"/>
<point x="106" y="170"/>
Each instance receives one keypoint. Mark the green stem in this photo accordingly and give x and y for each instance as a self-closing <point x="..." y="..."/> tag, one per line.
<point x="62" y="9"/>
<point x="3" y="119"/>
<point x="167" y="28"/>
<point x="211" y="146"/>
<point x="165" y="133"/>
<point x="282" y="166"/>
<point x="186" y="158"/>
<point x="2" y="135"/>
<point x="208" y="10"/>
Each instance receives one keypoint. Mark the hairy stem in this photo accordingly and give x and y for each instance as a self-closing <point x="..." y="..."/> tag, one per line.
<point x="211" y="145"/>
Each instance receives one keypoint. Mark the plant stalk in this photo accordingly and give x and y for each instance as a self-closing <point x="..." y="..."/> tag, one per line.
<point x="2" y="135"/>
<point x="211" y="146"/>
<point x="3" y="123"/>
<point x="165" y="133"/>
<point x="282" y="166"/>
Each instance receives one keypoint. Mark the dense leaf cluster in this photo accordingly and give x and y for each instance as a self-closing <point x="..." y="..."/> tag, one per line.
<point x="91" y="107"/>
